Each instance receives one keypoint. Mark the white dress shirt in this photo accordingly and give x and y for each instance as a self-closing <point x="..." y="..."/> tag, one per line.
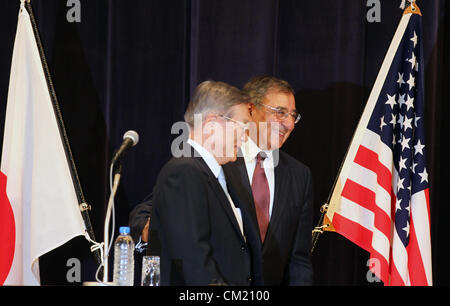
<point x="217" y="170"/>
<point x="249" y="151"/>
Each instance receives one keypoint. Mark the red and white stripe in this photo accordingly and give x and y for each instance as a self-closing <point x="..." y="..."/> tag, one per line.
<point x="366" y="217"/>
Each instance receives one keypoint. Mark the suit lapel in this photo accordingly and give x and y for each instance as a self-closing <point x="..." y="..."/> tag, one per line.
<point x="241" y="171"/>
<point x="220" y="194"/>
<point x="237" y="177"/>
<point x="279" y="198"/>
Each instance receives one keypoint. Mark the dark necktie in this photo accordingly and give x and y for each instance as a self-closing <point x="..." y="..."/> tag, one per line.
<point x="261" y="195"/>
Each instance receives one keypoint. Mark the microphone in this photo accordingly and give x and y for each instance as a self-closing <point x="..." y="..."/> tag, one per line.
<point x="130" y="139"/>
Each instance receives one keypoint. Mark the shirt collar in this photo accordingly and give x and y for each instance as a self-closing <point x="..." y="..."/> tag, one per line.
<point x="207" y="157"/>
<point x="250" y="150"/>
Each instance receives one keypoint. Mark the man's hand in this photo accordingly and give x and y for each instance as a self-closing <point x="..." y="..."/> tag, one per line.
<point x="144" y="234"/>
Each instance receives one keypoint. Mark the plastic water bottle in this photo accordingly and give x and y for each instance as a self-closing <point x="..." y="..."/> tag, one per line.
<point x="124" y="258"/>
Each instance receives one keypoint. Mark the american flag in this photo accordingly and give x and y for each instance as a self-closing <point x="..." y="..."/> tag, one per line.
<point x="381" y="202"/>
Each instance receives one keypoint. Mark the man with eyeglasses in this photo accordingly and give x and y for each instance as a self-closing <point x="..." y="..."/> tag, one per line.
<point x="277" y="189"/>
<point x="199" y="223"/>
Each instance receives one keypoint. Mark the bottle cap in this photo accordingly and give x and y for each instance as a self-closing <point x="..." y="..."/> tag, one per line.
<point x="124" y="230"/>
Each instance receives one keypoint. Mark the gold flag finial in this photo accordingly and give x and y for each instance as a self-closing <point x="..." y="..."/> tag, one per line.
<point x="412" y="9"/>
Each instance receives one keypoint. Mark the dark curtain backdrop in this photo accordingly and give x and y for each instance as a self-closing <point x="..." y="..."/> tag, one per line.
<point x="133" y="65"/>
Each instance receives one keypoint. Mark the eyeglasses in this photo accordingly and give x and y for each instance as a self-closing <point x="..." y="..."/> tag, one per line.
<point x="242" y="125"/>
<point x="281" y="113"/>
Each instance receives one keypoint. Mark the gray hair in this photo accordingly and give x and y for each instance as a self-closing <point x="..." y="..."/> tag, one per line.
<point x="258" y="87"/>
<point x="213" y="97"/>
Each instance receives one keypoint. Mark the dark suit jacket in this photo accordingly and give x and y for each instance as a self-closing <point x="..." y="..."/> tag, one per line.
<point x="200" y="239"/>
<point x="286" y="249"/>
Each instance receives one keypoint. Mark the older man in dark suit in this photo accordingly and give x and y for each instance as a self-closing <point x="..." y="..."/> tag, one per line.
<point x="276" y="188"/>
<point x="205" y="233"/>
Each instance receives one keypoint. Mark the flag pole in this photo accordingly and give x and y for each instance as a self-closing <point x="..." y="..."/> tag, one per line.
<point x="83" y="206"/>
<point x="321" y="225"/>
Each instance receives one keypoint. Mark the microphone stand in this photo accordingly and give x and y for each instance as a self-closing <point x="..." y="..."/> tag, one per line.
<point x="110" y="209"/>
<point x="130" y="139"/>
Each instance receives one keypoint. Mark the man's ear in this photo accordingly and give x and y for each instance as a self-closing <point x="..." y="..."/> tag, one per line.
<point x="250" y="108"/>
<point x="208" y="124"/>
